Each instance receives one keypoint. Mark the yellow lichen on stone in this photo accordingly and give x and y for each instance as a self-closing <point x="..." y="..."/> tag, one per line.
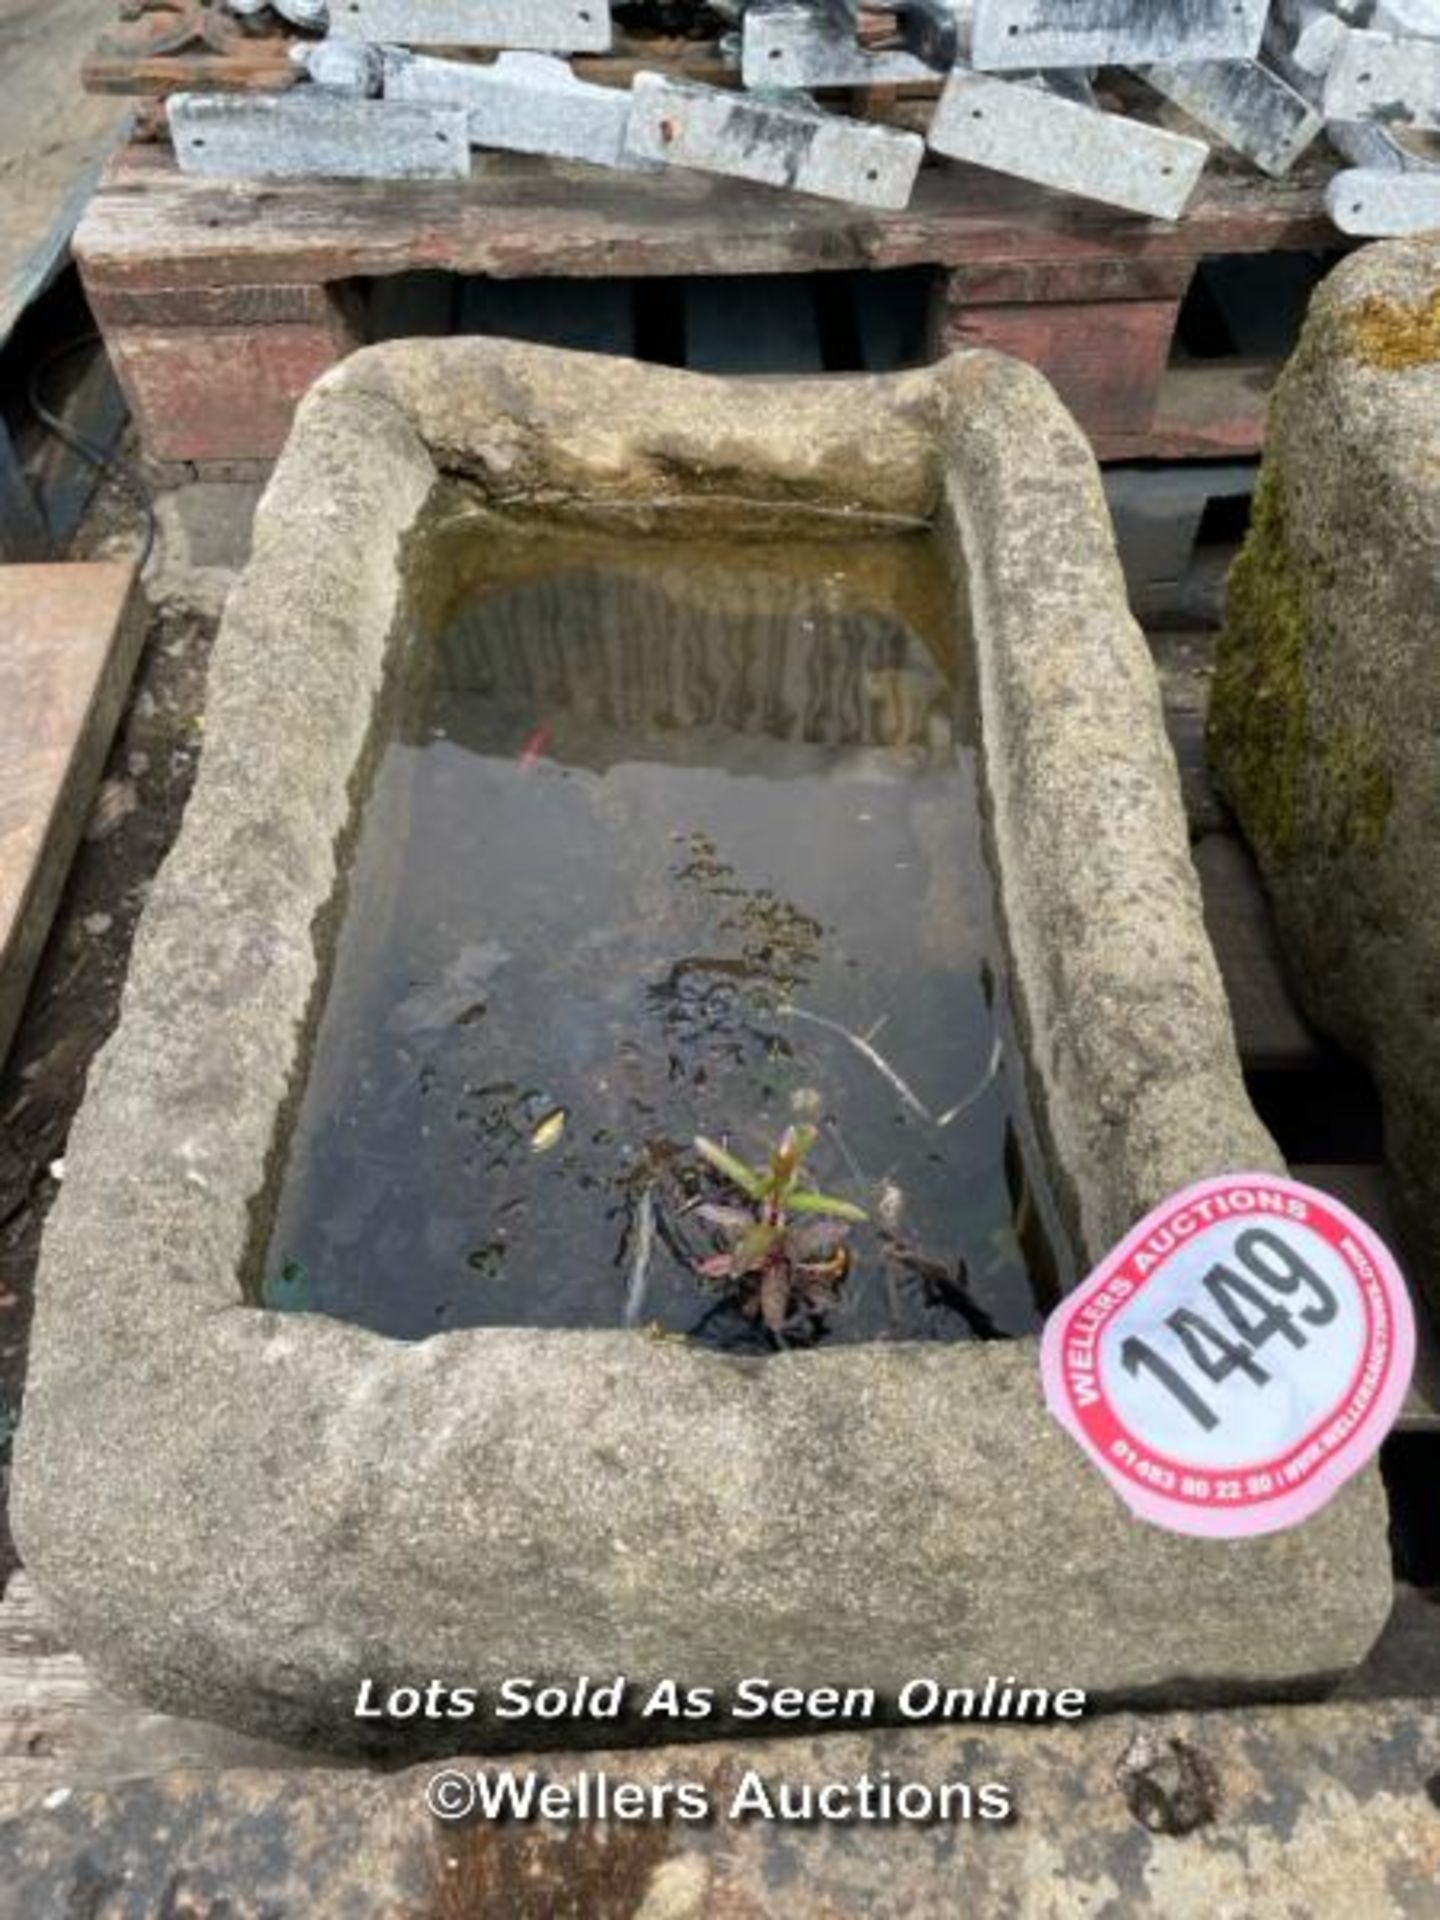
<point x="1391" y="335"/>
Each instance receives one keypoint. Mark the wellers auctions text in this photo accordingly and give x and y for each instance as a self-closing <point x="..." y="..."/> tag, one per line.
<point x="521" y="1700"/>
<point x="456" y="1795"/>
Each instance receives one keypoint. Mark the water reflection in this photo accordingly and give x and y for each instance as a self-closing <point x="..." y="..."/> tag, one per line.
<point x="659" y="851"/>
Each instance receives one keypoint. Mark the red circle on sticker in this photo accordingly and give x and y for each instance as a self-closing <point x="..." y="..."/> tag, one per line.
<point x="1236" y="1359"/>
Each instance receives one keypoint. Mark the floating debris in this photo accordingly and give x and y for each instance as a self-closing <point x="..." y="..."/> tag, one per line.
<point x="866" y="1051"/>
<point x="889" y="1205"/>
<point x="549" y="1132"/>
<point x="997" y="1055"/>
<point x="640" y="1265"/>
<point x="287" y="1291"/>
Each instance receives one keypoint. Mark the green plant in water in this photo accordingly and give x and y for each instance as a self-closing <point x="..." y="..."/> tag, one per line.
<point x="785" y="1252"/>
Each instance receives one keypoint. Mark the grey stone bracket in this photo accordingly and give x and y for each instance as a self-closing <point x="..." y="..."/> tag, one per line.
<point x="1375" y="202"/>
<point x="1378" y="76"/>
<point x="1034" y="134"/>
<point x="1013" y="34"/>
<point x="798" y="48"/>
<point x="283" y="1505"/>
<point x="523" y="103"/>
<point x="779" y="145"/>
<point x="311" y="14"/>
<point x="316" y="132"/>
<point x="1245" y="104"/>
<point x="1418" y="17"/>
<point x="1303" y="38"/>
<point x="342" y="66"/>
<point x="543" y="26"/>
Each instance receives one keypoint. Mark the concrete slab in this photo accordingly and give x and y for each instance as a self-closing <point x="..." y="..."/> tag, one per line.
<point x="1267" y="1815"/>
<point x="69" y="639"/>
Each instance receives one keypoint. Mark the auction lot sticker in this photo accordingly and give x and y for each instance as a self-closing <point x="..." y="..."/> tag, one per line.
<point x="1236" y="1359"/>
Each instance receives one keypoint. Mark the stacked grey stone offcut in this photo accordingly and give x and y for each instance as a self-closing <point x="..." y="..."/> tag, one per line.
<point x="1260" y="79"/>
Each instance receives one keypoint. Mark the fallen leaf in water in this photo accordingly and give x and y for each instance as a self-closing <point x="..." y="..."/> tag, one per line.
<point x="547" y="1134"/>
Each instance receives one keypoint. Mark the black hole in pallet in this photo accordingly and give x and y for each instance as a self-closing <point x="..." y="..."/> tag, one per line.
<point x="1410" y="1463"/>
<point x="1225" y="521"/>
<point x="1325" y="1116"/>
<point x="660" y="322"/>
<point x="832" y="322"/>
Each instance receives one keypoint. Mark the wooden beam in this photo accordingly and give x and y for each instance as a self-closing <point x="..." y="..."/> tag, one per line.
<point x="69" y="640"/>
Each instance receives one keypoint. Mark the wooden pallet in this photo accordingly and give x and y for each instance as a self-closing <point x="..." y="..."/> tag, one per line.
<point x="221" y="302"/>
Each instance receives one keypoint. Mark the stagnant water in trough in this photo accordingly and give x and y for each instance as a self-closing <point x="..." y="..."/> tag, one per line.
<point x="668" y="838"/>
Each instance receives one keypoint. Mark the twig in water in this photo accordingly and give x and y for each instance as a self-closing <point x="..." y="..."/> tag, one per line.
<point x="640" y="1265"/>
<point x="863" y="1047"/>
<point x="984" y="1085"/>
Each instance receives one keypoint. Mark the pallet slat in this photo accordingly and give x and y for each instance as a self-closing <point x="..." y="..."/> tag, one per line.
<point x="150" y="226"/>
<point x="222" y="302"/>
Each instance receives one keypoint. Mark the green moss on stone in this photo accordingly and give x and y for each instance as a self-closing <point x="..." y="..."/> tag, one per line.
<point x="1283" y="772"/>
<point x="1259" y="721"/>
<point x="1359" y="793"/>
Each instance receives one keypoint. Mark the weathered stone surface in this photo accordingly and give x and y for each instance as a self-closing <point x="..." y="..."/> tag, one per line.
<point x="1318" y="1811"/>
<point x="284" y="1505"/>
<point x="1327" y="699"/>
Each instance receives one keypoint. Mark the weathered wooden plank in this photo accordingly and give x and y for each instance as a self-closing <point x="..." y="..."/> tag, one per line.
<point x="60" y="1730"/>
<point x="222" y="306"/>
<point x="221" y="393"/>
<point x="1207" y="410"/>
<point x="1272" y="1033"/>
<point x="264" y="65"/>
<point x="1039" y="282"/>
<point x="1105" y="362"/>
<point x="69" y="639"/>
<point x="520" y="217"/>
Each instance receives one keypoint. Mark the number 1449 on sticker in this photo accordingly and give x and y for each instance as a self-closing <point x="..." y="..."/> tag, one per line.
<point x="1237" y="1357"/>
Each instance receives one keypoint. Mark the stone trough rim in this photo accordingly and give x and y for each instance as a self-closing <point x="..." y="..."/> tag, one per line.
<point x="239" y="1565"/>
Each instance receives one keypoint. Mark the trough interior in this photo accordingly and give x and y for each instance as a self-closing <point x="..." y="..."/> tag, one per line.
<point x="666" y="837"/>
